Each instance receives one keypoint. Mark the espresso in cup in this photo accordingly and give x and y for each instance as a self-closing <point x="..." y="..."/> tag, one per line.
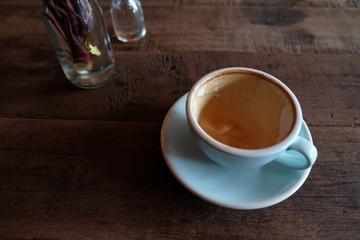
<point x="245" y="118"/>
<point x="244" y="110"/>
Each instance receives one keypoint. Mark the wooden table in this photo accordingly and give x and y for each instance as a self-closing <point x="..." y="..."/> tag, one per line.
<point x="87" y="164"/>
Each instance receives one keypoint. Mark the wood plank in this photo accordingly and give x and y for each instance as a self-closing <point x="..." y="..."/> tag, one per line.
<point x="281" y="26"/>
<point x="145" y="85"/>
<point x="259" y="28"/>
<point x="66" y="179"/>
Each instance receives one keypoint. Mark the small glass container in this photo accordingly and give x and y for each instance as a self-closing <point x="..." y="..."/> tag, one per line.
<point x="128" y="20"/>
<point x="79" y="36"/>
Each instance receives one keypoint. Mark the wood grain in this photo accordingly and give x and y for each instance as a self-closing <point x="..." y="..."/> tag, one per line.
<point x="67" y="178"/>
<point x="328" y="91"/>
<point x="282" y="26"/>
<point x="86" y="165"/>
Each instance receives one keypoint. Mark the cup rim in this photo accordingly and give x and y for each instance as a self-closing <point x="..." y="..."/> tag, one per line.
<point x="274" y="149"/>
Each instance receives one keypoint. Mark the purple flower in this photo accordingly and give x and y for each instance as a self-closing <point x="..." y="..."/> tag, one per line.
<point x="66" y="16"/>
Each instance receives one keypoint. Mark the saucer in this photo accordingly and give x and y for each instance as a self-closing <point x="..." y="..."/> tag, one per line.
<point x="219" y="185"/>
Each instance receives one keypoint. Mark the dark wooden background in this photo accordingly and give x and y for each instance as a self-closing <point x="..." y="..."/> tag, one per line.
<point x="87" y="164"/>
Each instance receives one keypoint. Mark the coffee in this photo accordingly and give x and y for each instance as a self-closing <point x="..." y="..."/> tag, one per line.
<point x="244" y="110"/>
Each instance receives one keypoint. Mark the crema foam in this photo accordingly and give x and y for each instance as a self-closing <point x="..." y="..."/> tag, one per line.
<point x="244" y="111"/>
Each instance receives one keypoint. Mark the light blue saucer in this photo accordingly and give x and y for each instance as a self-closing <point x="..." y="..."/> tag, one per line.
<point x="226" y="187"/>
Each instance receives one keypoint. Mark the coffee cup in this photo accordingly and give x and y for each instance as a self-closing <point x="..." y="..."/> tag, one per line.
<point x="245" y="118"/>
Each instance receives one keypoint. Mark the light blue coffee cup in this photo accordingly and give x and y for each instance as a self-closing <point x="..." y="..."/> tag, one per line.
<point x="281" y="153"/>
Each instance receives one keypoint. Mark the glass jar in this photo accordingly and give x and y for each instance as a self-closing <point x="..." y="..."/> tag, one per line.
<point x="128" y="20"/>
<point x="79" y="36"/>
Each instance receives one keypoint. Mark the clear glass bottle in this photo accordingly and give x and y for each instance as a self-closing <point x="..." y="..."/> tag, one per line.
<point x="128" y="20"/>
<point x="78" y="33"/>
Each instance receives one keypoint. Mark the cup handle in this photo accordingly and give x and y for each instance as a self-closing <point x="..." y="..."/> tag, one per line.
<point x="304" y="160"/>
